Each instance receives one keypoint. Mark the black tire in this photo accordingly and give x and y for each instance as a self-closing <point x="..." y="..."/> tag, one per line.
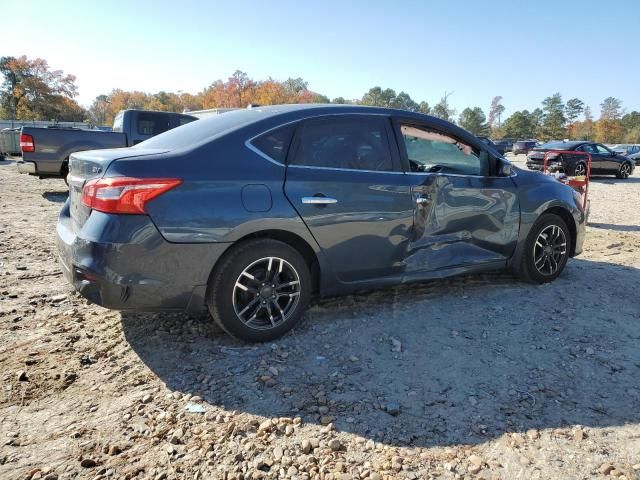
<point x="225" y="297"/>
<point x="529" y="268"/>
<point x="625" y="171"/>
<point x="64" y="171"/>
<point x="580" y="169"/>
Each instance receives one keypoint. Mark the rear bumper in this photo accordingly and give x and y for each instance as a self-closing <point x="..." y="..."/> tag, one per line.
<point x="26" y="167"/>
<point x="122" y="262"/>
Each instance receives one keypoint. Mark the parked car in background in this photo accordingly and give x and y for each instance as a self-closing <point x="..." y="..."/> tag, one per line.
<point x="523" y="146"/>
<point x="46" y="151"/>
<point x="624" y="148"/>
<point x="488" y="141"/>
<point x="9" y="142"/>
<point x="502" y="146"/>
<point x="505" y="144"/>
<point x="603" y="160"/>
<point x="635" y="157"/>
<point x="251" y="212"/>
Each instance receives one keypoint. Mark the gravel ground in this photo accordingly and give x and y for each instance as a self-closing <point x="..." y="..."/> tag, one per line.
<point x="477" y="377"/>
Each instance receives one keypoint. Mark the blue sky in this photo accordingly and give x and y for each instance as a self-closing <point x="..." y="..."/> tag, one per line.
<point x="521" y="50"/>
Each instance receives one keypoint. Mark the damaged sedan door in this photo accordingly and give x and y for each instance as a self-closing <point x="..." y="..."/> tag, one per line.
<point x="465" y="214"/>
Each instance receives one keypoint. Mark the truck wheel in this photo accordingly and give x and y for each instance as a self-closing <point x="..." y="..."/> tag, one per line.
<point x="546" y="250"/>
<point x="64" y="171"/>
<point x="260" y="290"/>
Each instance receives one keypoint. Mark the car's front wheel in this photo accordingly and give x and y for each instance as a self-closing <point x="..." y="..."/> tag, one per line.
<point x="625" y="171"/>
<point x="260" y="290"/>
<point x="546" y="250"/>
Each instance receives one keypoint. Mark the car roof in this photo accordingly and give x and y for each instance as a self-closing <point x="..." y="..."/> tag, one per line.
<point x="260" y="119"/>
<point x="569" y="144"/>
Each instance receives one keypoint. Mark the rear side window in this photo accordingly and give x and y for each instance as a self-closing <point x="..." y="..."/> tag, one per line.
<point x="350" y="143"/>
<point x="117" y="122"/>
<point x="184" y="120"/>
<point x="275" y="143"/>
<point x="152" y="123"/>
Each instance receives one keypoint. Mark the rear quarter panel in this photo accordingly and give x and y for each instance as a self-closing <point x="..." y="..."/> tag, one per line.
<point x="208" y="207"/>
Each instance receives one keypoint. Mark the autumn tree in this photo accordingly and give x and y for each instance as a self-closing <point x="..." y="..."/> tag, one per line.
<point x="609" y="126"/>
<point x="584" y="130"/>
<point x="31" y="90"/>
<point x="474" y="120"/>
<point x="99" y="110"/>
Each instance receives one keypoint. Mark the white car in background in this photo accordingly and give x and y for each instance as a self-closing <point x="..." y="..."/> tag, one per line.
<point x="625" y="148"/>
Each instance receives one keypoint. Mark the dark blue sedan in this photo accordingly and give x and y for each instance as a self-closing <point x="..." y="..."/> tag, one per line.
<point x="252" y="212"/>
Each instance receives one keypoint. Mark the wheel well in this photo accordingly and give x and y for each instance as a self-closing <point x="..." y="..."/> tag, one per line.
<point x="293" y="241"/>
<point x="568" y="219"/>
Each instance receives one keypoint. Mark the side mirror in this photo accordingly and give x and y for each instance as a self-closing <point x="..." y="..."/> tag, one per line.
<point x="505" y="170"/>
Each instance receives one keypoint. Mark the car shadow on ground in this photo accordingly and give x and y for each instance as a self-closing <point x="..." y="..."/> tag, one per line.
<point x="613" y="180"/>
<point x="616" y="227"/>
<point x="438" y="363"/>
<point x="56" y="197"/>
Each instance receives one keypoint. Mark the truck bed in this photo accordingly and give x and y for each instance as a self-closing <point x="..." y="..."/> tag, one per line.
<point x="54" y="145"/>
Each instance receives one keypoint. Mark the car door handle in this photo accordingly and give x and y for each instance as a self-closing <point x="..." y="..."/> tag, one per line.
<point x="319" y="200"/>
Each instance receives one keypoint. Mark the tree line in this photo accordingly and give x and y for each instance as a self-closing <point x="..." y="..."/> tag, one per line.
<point x="31" y="90"/>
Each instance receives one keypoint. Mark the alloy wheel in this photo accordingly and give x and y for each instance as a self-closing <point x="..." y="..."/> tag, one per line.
<point x="625" y="170"/>
<point x="550" y="250"/>
<point x="266" y="293"/>
<point x="580" y="170"/>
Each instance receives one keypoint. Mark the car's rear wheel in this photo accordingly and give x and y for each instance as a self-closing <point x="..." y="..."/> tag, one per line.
<point x="625" y="171"/>
<point x="260" y="290"/>
<point x="546" y="250"/>
<point x="580" y="169"/>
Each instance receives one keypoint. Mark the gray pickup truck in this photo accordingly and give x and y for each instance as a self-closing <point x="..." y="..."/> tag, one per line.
<point x="45" y="151"/>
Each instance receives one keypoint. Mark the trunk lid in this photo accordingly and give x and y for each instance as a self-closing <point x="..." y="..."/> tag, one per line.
<point x="84" y="166"/>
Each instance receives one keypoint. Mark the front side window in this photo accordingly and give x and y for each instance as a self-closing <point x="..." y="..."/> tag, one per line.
<point x="351" y="143"/>
<point x="587" y="148"/>
<point x="152" y="123"/>
<point x="603" y="150"/>
<point x="435" y="152"/>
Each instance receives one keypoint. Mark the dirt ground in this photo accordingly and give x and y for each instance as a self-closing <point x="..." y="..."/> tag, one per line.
<point x="477" y="377"/>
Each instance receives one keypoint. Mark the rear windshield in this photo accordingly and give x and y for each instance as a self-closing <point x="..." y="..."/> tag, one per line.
<point x="203" y="130"/>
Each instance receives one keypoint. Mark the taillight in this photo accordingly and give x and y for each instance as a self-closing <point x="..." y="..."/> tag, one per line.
<point x="125" y="194"/>
<point x="26" y="143"/>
